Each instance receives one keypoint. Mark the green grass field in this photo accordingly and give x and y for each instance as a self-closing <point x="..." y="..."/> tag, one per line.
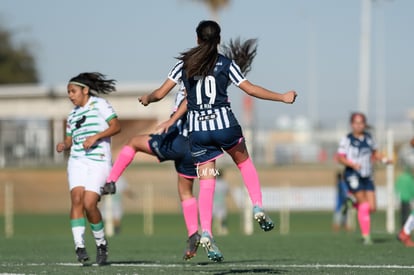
<point x="42" y="244"/>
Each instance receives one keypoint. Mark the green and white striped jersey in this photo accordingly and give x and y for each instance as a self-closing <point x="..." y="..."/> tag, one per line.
<point x="87" y="121"/>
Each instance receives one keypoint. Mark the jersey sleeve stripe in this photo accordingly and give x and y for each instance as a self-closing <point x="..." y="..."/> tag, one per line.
<point x="235" y="74"/>
<point x="111" y="117"/>
<point x="176" y="72"/>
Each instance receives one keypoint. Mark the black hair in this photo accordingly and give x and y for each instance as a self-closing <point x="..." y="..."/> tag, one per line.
<point x="242" y="53"/>
<point x="200" y="60"/>
<point x="96" y="82"/>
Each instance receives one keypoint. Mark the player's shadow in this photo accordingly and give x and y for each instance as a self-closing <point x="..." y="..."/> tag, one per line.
<point x="246" y="270"/>
<point x="258" y="261"/>
<point x="383" y="240"/>
<point x="251" y="271"/>
<point x="122" y="263"/>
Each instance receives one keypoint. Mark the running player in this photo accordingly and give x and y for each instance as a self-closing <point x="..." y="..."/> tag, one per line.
<point x="356" y="152"/>
<point x="212" y="125"/>
<point x="89" y="128"/>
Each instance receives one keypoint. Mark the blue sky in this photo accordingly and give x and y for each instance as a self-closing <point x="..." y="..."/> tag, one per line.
<point x="136" y="41"/>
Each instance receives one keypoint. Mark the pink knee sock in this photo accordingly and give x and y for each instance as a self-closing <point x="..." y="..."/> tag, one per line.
<point x="122" y="161"/>
<point x="205" y="203"/>
<point x="364" y="218"/>
<point x="190" y="215"/>
<point x="251" y="181"/>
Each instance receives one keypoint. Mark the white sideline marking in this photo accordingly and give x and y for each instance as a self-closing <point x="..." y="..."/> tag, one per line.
<point x="315" y="266"/>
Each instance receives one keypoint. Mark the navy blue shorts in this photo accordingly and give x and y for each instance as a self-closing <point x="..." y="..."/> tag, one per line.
<point x="357" y="183"/>
<point x="209" y="145"/>
<point x="174" y="146"/>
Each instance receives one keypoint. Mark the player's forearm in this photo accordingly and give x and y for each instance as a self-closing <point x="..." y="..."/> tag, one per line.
<point x="262" y="93"/>
<point x="182" y="110"/>
<point x="344" y="161"/>
<point x="155" y="96"/>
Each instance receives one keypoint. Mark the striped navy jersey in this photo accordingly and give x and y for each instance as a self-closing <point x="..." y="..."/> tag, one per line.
<point x="360" y="151"/>
<point x="88" y="120"/>
<point x="181" y="123"/>
<point x="208" y="102"/>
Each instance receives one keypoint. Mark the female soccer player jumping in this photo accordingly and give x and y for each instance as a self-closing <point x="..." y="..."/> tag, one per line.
<point x="89" y="128"/>
<point x="213" y="127"/>
<point x="173" y="145"/>
<point x="356" y="152"/>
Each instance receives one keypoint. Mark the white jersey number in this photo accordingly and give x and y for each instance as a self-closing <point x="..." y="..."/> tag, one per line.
<point x="209" y="89"/>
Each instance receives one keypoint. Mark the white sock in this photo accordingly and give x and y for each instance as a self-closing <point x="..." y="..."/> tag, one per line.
<point x="98" y="233"/>
<point x="78" y="233"/>
<point x="409" y="225"/>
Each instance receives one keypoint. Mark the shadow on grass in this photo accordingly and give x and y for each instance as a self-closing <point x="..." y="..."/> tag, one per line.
<point x="109" y="263"/>
<point x="251" y="271"/>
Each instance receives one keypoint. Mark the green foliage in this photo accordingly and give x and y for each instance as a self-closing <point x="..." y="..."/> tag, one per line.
<point x="17" y="64"/>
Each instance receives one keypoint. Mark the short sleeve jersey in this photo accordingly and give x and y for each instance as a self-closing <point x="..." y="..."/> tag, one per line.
<point x="358" y="150"/>
<point x="208" y="101"/>
<point x="88" y="120"/>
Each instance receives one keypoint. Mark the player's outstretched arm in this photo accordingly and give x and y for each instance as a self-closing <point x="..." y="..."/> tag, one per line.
<point x="158" y="94"/>
<point x="262" y="93"/>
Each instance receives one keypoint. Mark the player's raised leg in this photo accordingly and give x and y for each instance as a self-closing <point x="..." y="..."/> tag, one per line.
<point x="251" y="180"/>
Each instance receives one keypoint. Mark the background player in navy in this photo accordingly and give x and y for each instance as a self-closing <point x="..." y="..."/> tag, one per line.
<point x="356" y="152"/>
<point x="213" y="127"/>
<point x="89" y="128"/>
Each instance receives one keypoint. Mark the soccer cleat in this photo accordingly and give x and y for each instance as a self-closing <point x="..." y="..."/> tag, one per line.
<point x="405" y="239"/>
<point x="192" y="245"/>
<point x="108" y="189"/>
<point x="82" y="255"/>
<point x="213" y="252"/>
<point x="101" y="254"/>
<point x="264" y="221"/>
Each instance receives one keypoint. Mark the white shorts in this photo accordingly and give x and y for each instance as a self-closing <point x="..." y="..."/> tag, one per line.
<point x="88" y="173"/>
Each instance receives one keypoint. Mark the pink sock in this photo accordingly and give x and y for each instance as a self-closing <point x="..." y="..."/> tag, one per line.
<point x="122" y="161"/>
<point x="205" y="203"/>
<point x="364" y="218"/>
<point x="190" y="215"/>
<point x="251" y="181"/>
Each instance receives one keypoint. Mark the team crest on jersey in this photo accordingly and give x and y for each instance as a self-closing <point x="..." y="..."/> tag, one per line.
<point x="356" y="143"/>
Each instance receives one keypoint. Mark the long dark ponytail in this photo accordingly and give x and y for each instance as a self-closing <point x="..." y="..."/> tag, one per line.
<point x="200" y="60"/>
<point x="242" y="52"/>
<point x="96" y="82"/>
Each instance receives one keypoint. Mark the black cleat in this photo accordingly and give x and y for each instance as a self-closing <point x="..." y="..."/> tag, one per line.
<point x="82" y="255"/>
<point x="108" y="189"/>
<point x="192" y="245"/>
<point x="101" y="254"/>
